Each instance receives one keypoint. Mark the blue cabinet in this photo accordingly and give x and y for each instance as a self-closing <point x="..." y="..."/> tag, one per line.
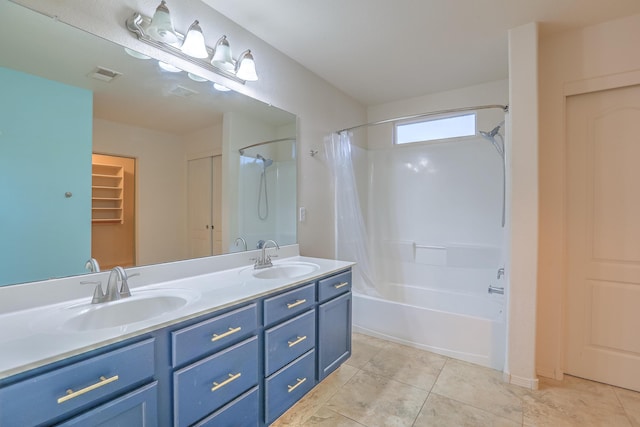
<point x="138" y="408"/>
<point x="288" y="385"/>
<point x="334" y="334"/>
<point x="237" y="367"/>
<point x="203" y="387"/>
<point x="65" y="391"/>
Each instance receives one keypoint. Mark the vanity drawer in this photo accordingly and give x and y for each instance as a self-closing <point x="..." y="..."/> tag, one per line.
<point x="206" y="385"/>
<point x="334" y="286"/>
<point x="287" y="386"/>
<point x="195" y="341"/>
<point x="286" y="341"/>
<point x="242" y="412"/>
<point x="82" y="384"/>
<point x="289" y="304"/>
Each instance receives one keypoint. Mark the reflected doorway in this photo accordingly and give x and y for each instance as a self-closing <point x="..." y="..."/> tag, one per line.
<point x="113" y="210"/>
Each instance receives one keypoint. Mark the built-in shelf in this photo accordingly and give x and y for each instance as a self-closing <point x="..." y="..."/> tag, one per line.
<point x="107" y="194"/>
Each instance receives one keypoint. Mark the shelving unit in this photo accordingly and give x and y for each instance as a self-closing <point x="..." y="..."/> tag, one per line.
<point x="107" y="194"/>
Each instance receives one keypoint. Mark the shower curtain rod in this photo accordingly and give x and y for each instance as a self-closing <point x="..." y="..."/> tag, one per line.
<point x="504" y="108"/>
<point x="241" y="150"/>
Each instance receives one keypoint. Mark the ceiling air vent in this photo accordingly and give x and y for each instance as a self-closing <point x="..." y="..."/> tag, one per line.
<point x="182" y="91"/>
<point x="104" y="74"/>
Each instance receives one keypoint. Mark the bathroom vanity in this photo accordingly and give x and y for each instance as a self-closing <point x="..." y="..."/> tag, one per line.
<point x="243" y="348"/>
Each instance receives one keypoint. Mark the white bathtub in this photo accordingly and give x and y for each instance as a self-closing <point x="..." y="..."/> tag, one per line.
<point x="460" y="325"/>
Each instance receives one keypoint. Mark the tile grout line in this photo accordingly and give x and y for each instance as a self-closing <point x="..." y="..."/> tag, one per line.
<point x="624" y="409"/>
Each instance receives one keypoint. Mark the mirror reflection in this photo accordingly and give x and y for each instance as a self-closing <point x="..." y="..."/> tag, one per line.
<point x="107" y="156"/>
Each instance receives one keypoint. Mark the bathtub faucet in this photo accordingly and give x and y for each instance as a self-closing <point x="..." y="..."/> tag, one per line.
<point x="496" y="290"/>
<point x="500" y="272"/>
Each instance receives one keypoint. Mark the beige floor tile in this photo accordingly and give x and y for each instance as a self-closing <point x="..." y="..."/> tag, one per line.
<point x="573" y="402"/>
<point x="631" y="402"/>
<point x="364" y="348"/>
<point x="480" y="387"/>
<point x="328" y="418"/>
<point x="408" y="365"/>
<point x="306" y="407"/>
<point x="444" y="412"/>
<point x="374" y="401"/>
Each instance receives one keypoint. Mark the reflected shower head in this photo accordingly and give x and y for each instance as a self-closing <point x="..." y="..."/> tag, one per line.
<point x="265" y="162"/>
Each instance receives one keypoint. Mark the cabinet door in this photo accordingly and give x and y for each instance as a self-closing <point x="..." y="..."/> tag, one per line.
<point x="334" y="334"/>
<point x="138" y="408"/>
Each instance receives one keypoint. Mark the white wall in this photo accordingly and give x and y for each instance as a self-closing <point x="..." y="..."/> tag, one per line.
<point x="587" y="57"/>
<point x="321" y="108"/>
<point x="161" y="225"/>
<point x="523" y="162"/>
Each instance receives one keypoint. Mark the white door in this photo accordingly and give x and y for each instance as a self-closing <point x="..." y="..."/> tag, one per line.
<point x="204" y="206"/>
<point x="216" y="204"/>
<point x="603" y="225"/>
<point x="199" y="207"/>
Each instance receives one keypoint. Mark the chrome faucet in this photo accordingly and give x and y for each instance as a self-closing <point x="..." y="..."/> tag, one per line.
<point x="113" y="293"/>
<point x="500" y="272"/>
<point x="265" y="260"/>
<point x="244" y="242"/>
<point x="92" y="265"/>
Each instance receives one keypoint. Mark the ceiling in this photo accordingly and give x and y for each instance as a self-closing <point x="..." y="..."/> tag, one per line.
<point x="379" y="51"/>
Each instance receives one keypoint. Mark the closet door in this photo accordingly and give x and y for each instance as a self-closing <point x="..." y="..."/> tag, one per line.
<point x="204" y="211"/>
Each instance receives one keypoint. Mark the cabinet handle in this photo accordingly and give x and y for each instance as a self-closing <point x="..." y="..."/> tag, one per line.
<point x="293" y="387"/>
<point x="341" y="285"/>
<point x="298" y="341"/>
<point x="231" y="331"/>
<point x="232" y="377"/>
<point x="73" y="394"/>
<point x="297" y="303"/>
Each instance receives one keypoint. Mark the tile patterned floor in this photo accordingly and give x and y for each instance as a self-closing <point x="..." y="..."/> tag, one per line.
<point x="385" y="384"/>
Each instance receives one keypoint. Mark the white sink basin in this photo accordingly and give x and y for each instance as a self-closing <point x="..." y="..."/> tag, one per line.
<point x="286" y="270"/>
<point x="142" y="305"/>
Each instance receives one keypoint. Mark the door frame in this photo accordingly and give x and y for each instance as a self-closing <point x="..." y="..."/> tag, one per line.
<point x="580" y="87"/>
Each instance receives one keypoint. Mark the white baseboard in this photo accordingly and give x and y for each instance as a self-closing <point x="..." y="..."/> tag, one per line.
<point x="530" y="383"/>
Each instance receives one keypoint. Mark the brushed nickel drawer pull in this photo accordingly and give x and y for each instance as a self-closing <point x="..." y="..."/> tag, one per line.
<point x="73" y="394"/>
<point x="297" y="303"/>
<point x="293" y="387"/>
<point x="341" y="285"/>
<point x="232" y="377"/>
<point x="298" y="341"/>
<point x="231" y="331"/>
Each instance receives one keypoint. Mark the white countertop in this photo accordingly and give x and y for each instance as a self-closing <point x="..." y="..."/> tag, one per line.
<point x="32" y="337"/>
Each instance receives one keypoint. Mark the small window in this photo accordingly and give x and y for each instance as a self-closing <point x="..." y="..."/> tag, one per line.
<point x="435" y="128"/>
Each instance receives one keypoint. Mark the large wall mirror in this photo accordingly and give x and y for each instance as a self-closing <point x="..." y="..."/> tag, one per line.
<point x="109" y="156"/>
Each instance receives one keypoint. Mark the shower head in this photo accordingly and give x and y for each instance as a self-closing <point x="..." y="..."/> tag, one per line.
<point x="491" y="137"/>
<point x="493" y="132"/>
<point x="265" y="162"/>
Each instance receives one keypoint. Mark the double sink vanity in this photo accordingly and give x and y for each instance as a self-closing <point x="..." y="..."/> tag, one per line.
<point x="218" y="343"/>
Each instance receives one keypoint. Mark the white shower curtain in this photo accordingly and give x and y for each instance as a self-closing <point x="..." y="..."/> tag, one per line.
<point x="353" y="241"/>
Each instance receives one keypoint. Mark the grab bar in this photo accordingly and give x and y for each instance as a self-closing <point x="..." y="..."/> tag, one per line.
<point x="430" y="247"/>
<point x="496" y="290"/>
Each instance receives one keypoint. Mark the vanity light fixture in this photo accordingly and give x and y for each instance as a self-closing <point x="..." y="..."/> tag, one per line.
<point x="168" y="67"/>
<point x="220" y="88"/>
<point x="222" y="55"/>
<point x="246" y="67"/>
<point x="193" y="44"/>
<point x="158" y="32"/>
<point x="161" y="28"/>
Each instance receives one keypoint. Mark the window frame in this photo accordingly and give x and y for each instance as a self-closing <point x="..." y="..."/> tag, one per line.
<point x="434" y="119"/>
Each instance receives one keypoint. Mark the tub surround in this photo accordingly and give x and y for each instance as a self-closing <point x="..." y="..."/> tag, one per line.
<point x="31" y="336"/>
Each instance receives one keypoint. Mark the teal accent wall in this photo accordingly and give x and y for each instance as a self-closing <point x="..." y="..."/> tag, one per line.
<point x="45" y="151"/>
